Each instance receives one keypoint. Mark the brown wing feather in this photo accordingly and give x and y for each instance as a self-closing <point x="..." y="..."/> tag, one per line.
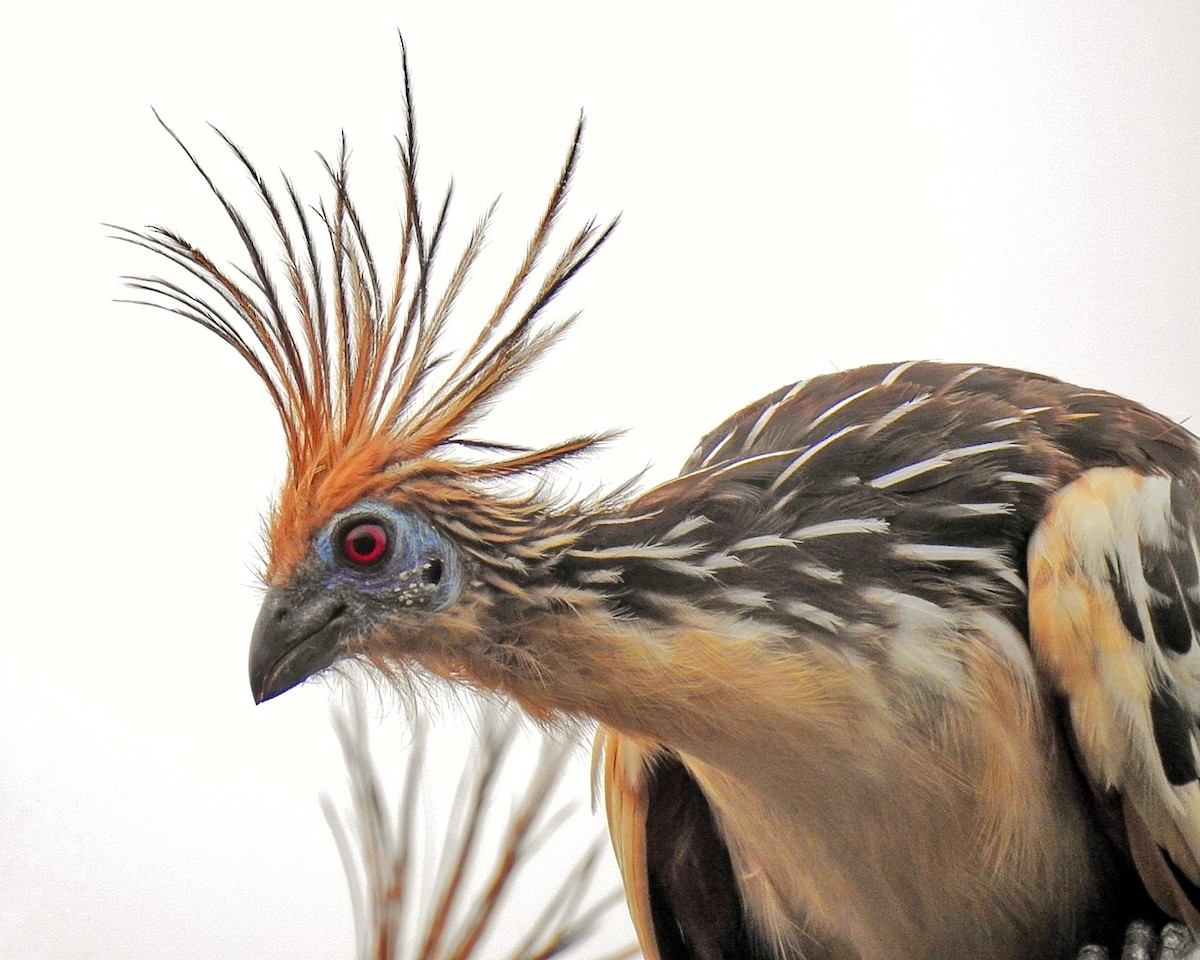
<point x="683" y="896"/>
<point x="625" y="801"/>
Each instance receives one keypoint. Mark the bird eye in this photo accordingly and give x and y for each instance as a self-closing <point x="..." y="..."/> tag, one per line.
<point x="382" y="555"/>
<point x="364" y="544"/>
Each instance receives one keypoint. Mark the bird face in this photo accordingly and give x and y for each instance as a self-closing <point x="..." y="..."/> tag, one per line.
<point x="370" y="567"/>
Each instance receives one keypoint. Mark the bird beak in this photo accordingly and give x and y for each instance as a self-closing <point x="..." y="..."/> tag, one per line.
<point x="294" y="637"/>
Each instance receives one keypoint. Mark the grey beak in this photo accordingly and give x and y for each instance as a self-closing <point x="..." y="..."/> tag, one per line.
<point x="294" y="637"/>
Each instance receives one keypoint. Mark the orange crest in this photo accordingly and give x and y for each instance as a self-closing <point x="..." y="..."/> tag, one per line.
<point x="348" y="361"/>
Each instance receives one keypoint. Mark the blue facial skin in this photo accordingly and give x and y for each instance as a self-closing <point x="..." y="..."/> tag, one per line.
<point x="419" y="570"/>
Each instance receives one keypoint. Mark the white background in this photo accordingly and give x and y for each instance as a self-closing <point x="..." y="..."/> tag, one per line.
<point x="804" y="187"/>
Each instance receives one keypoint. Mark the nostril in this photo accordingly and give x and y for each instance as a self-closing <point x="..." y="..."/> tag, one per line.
<point x="281" y="613"/>
<point x="338" y="610"/>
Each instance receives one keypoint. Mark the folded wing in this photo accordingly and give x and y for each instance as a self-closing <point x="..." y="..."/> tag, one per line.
<point x="1114" y="574"/>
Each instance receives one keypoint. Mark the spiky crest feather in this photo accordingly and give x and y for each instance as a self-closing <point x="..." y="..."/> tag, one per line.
<point x="350" y="366"/>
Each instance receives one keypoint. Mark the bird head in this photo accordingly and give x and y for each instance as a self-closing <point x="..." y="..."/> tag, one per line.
<point x="376" y="567"/>
<point x="394" y="529"/>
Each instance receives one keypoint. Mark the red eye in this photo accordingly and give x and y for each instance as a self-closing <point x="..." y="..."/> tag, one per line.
<point x="364" y="543"/>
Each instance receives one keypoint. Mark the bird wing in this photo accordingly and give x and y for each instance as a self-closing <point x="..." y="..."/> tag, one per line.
<point x="626" y="801"/>
<point x="1114" y="607"/>
<point x="684" y="897"/>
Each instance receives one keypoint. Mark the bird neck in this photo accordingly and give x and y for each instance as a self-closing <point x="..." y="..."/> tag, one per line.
<point x="681" y="683"/>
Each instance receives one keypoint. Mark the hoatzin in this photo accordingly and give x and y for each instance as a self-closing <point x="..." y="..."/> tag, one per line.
<point x="902" y="665"/>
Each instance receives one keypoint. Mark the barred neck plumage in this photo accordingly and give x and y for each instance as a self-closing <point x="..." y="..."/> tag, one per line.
<point x="919" y="483"/>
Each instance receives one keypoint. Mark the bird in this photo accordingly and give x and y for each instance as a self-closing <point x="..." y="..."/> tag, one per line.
<point x="902" y="664"/>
